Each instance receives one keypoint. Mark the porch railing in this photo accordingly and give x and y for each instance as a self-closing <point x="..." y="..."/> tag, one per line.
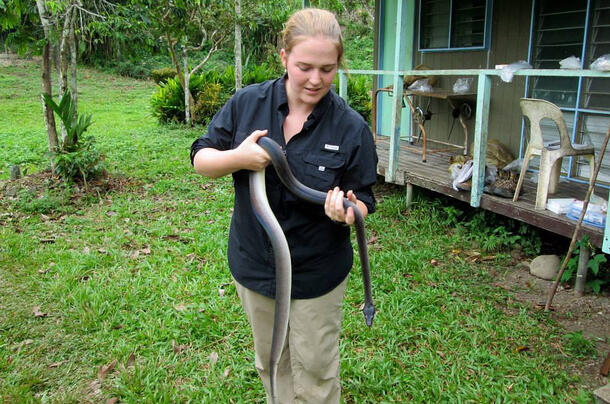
<point x="481" y="116"/>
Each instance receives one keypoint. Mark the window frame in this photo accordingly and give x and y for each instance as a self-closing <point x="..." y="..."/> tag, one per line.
<point x="486" y="30"/>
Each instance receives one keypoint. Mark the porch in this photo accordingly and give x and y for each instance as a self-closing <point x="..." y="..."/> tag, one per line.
<point x="434" y="175"/>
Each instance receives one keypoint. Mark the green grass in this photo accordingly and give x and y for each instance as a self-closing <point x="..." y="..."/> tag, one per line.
<point x="136" y="272"/>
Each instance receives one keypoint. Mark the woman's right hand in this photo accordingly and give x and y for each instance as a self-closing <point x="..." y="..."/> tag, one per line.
<point x="251" y="155"/>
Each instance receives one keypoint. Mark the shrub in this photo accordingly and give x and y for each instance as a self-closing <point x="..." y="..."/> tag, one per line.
<point x="359" y="95"/>
<point x="168" y="102"/>
<point x="83" y="161"/>
<point x="76" y="156"/>
<point x="209" y="100"/>
<point x="210" y="89"/>
<point x="160" y="76"/>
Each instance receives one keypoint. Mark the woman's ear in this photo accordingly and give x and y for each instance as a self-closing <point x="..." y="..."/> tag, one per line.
<point x="284" y="57"/>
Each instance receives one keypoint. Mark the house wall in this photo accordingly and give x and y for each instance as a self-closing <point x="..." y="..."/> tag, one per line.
<point x="509" y="43"/>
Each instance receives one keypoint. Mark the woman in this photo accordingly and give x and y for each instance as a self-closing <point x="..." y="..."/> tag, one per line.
<point x="329" y="147"/>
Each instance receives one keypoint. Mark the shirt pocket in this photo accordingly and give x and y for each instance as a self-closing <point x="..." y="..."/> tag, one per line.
<point x="323" y="170"/>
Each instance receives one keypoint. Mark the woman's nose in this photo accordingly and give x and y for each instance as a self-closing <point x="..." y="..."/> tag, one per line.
<point x="315" y="76"/>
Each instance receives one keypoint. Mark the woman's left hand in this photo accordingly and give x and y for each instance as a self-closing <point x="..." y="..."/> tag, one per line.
<point x="334" y="206"/>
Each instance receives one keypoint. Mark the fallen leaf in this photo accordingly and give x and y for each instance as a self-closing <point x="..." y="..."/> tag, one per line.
<point x="522" y="348"/>
<point x="211" y="221"/>
<point x="101" y="250"/>
<point x="37" y="312"/>
<point x="131" y="360"/>
<point x="178" y="348"/>
<point x="221" y="292"/>
<point x="105" y="370"/>
<point x="434" y="262"/>
<point x="214" y="357"/>
<point x="226" y="372"/>
<point x="56" y="364"/>
<point x="372" y="240"/>
<point x="134" y="254"/>
<point x="117" y="326"/>
<point x="145" y="250"/>
<point x="86" y="250"/>
<point x="112" y="400"/>
<point x="180" y="306"/>
<point x="111" y="213"/>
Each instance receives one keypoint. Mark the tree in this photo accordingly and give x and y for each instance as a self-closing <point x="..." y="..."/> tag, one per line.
<point x="187" y="27"/>
<point x="238" y="64"/>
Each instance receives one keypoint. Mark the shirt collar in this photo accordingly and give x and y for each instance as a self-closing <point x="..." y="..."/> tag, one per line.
<point x="282" y="99"/>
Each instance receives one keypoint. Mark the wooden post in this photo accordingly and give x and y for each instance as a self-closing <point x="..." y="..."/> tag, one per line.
<point x="409" y="194"/>
<point x="581" y="274"/>
<point x="15" y="172"/>
<point x="480" y="139"/>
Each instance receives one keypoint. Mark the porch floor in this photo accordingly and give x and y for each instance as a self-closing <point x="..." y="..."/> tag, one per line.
<point x="434" y="175"/>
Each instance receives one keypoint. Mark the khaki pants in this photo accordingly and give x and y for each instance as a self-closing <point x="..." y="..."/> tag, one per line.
<point x="308" y="371"/>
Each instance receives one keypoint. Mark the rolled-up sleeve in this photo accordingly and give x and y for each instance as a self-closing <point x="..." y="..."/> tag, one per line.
<point x="361" y="172"/>
<point x="220" y="131"/>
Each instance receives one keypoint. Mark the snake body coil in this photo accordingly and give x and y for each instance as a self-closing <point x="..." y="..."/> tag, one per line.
<point x="283" y="271"/>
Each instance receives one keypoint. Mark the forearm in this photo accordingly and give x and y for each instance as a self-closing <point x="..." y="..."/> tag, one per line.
<point x="216" y="163"/>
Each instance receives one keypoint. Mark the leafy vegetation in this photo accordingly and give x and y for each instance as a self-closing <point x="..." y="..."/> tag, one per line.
<point x="126" y="294"/>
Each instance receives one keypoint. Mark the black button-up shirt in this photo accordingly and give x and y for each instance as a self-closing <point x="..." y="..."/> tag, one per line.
<point x="334" y="148"/>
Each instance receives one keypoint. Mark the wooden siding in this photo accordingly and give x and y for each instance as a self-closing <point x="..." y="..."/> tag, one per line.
<point x="509" y="43"/>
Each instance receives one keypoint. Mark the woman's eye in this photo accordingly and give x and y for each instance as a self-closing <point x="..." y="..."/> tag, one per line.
<point x="304" y="69"/>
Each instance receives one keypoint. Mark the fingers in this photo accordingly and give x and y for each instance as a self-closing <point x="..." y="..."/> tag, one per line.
<point x="252" y="156"/>
<point x="333" y="206"/>
<point x="257" y="134"/>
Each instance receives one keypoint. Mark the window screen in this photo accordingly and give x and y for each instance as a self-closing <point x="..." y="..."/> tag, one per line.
<point x="452" y="24"/>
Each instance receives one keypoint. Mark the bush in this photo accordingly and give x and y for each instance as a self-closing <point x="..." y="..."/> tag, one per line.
<point x="83" y="161"/>
<point x="209" y="100"/>
<point x="210" y="90"/>
<point x="161" y="76"/>
<point x="168" y="102"/>
<point x="359" y="96"/>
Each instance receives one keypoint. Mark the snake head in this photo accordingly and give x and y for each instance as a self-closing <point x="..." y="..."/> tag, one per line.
<point x="369" y="314"/>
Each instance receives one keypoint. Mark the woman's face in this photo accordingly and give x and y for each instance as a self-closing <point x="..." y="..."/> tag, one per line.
<point x="311" y="66"/>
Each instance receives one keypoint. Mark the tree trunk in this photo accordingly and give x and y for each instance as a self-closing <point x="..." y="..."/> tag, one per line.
<point x="63" y="67"/>
<point x="238" y="72"/>
<point x="187" y="92"/>
<point x="47" y="88"/>
<point x="73" y="81"/>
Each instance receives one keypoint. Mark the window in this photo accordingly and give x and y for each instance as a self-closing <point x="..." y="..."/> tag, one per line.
<point x="453" y="24"/>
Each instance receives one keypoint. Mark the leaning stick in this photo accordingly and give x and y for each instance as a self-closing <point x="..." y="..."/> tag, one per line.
<point x="585" y="204"/>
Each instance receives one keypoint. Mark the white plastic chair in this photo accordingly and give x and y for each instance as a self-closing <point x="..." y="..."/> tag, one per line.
<point x="551" y="154"/>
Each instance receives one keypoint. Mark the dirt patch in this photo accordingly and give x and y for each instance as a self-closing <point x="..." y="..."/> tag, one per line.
<point x="589" y="314"/>
<point x="9" y="59"/>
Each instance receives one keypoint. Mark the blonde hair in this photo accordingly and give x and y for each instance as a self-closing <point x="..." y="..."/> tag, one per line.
<point x="310" y="23"/>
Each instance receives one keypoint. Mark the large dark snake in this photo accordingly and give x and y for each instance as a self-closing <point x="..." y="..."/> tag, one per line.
<point x="283" y="268"/>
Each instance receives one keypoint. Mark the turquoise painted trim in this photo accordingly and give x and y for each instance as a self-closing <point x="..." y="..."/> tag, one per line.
<point x="343" y="85"/>
<point x="480" y="139"/>
<point x="606" y="243"/>
<point x="399" y="60"/>
<point x="489" y="72"/>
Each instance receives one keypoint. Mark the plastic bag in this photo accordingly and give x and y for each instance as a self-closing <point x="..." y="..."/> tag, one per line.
<point x="514" y="166"/>
<point x="421" y="85"/>
<point x="462" y="85"/>
<point x="570" y="63"/>
<point x="507" y="72"/>
<point x="602" y="63"/>
<point x="462" y="175"/>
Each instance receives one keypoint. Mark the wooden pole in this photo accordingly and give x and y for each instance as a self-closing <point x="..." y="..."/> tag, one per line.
<point x="585" y="204"/>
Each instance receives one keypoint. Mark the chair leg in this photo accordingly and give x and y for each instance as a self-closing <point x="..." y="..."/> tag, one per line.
<point x="544" y="179"/>
<point x="526" y="160"/>
<point x="555" y="174"/>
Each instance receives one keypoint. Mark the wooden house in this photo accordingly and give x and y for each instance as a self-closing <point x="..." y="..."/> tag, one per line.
<point x="479" y="41"/>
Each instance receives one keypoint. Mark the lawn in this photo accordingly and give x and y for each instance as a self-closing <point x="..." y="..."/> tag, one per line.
<point x="125" y="293"/>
